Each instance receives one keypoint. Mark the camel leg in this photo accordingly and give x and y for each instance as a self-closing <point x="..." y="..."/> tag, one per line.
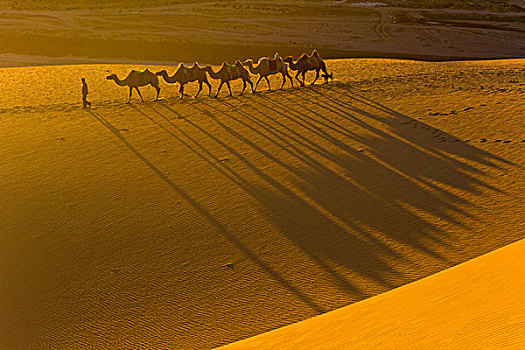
<point x="209" y="88"/>
<point x="139" y="94"/>
<point x="325" y="72"/>
<point x="284" y="81"/>
<point x="229" y="88"/>
<point x="181" y="90"/>
<point x="130" y="91"/>
<point x="219" y="89"/>
<point x="296" y="77"/>
<point x="269" y="88"/>
<point x="243" y="87"/>
<point x="200" y="89"/>
<point x="251" y="84"/>
<point x="291" y="80"/>
<point x="257" y="83"/>
<point x="326" y="75"/>
<point x="316" y="76"/>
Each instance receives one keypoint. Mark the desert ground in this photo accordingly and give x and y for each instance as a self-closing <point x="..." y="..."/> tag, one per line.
<point x="394" y="192"/>
<point x="470" y="306"/>
<point x="194" y="223"/>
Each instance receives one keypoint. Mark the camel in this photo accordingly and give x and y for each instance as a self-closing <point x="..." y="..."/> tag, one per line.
<point x="185" y="75"/>
<point x="269" y="66"/>
<point x="136" y="79"/>
<point x="229" y="72"/>
<point x="307" y="63"/>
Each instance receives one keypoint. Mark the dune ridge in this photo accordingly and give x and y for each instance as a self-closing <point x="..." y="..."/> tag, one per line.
<point x="478" y="304"/>
<point x="211" y="31"/>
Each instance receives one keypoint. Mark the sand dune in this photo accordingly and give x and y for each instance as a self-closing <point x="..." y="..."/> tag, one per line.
<point x="477" y="305"/>
<point x="196" y="223"/>
<point x="211" y="31"/>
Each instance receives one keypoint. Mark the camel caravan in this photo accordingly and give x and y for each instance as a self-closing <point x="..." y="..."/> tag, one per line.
<point x="228" y="72"/>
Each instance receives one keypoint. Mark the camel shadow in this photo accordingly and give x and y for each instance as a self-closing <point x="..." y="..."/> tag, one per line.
<point x="340" y="188"/>
<point x="367" y="211"/>
<point x="221" y="228"/>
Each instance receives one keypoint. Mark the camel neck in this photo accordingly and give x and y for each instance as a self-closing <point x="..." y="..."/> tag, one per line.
<point x="214" y="75"/>
<point x="169" y="79"/>
<point x="120" y="82"/>
<point x="293" y="65"/>
<point x="253" y="69"/>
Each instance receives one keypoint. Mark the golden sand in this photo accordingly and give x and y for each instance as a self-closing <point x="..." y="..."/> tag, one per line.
<point x="479" y="304"/>
<point x="196" y="223"/>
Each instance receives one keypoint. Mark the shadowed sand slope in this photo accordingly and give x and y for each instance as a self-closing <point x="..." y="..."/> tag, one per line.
<point x="477" y="305"/>
<point x="191" y="224"/>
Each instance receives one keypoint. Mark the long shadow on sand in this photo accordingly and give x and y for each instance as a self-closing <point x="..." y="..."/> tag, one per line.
<point x="360" y="222"/>
<point x="357" y="186"/>
<point x="218" y="225"/>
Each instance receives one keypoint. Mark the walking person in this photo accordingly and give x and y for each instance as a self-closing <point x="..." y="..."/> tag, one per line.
<point x="85" y="93"/>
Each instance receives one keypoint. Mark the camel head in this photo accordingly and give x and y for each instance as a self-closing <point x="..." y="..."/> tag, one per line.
<point x="111" y="77"/>
<point x="162" y="73"/>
